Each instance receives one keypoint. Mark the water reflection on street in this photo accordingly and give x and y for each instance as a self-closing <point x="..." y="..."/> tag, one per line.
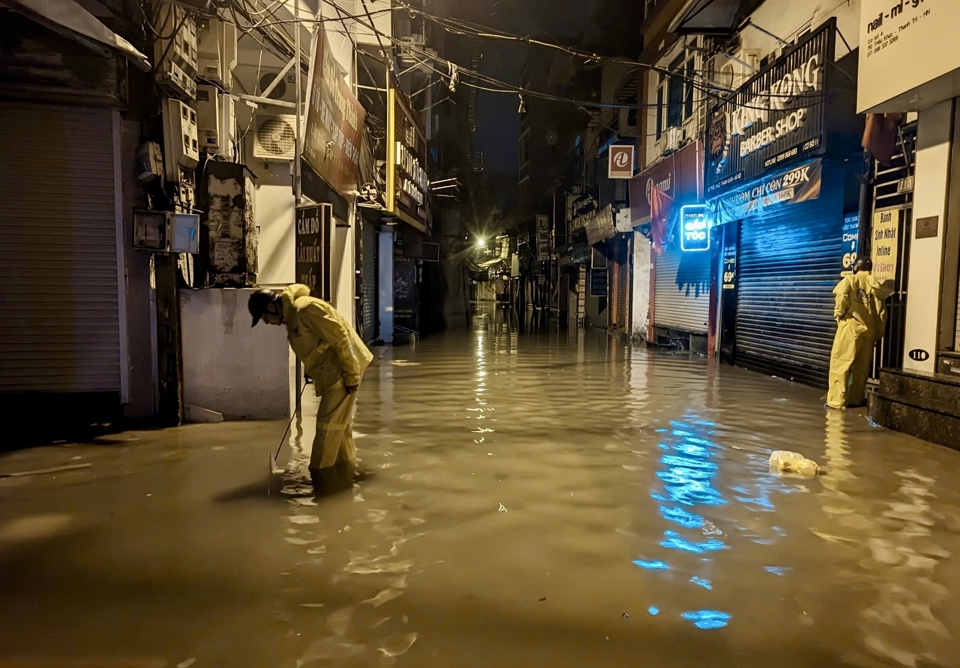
<point x="534" y="497"/>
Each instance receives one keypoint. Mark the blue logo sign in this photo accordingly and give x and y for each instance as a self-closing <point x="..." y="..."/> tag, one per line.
<point x="694" y="228"/>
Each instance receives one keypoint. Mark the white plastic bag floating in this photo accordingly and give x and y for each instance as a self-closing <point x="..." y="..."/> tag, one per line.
<point x="784" y="462"/>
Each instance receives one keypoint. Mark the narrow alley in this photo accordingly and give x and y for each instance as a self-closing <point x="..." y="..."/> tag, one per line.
<point x="530" y="500"/>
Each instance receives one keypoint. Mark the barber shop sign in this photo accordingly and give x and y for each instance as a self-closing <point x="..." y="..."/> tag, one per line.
<point x="777" y="117"/>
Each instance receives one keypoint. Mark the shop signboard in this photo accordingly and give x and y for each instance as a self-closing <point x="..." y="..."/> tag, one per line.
<point x="679" y="176"/>
<point x="885" y="246"/>
<point x="904" y="46"/>
<point x="621" y="161"/>
<point x="694" y="228"/>
<point x="312" y="242"/>
<point x="334" y="123"/>
<point x="776" y="117"/>
<point x="407" y="181"/>
<point x="598" y="282"/>
<point x="800" y="184"/>
<point x="851" y="242"/>
<point x="598" y="224"/>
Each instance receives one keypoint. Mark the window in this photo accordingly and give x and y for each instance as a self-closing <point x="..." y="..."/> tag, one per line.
<point x="660" y="108"/>
<point x="676" y="93"/>
<point x="648" y="7"/>
<point x="525" y="148"/>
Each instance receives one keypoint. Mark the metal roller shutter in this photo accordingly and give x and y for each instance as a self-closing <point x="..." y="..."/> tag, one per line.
<point x="789" y="264"/>
<point x="682" y="291"/>
<point x="368" y="272"/>
<point x="58" y="250"/>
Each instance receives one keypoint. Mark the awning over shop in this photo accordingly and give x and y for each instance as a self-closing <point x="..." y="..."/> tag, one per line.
<point x="707" y="17"/>
<point x="71" y="20"/>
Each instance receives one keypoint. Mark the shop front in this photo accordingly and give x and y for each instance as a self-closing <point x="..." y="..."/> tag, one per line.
<point x="907" y="63"/>
<point x="779" y="191"/>
<point x="679" y="308"/>
<point x="597" y="228"/>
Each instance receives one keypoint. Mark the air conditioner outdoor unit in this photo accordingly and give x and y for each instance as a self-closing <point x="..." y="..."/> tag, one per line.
<point x="256" y="80"/>
<point x="673" y="139"/>
<point x="275" y="137"/>
<point x="729" y="74"/>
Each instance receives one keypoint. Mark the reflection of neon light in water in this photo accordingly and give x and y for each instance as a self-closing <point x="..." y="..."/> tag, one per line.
<point x="687" y="476"/>
<point x="707" y="619"/>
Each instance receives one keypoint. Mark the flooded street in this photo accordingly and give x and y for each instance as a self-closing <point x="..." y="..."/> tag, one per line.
<point x="544" y="500"/>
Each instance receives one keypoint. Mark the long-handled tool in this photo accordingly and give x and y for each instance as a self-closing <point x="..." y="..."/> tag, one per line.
<point x="274" y="469"/>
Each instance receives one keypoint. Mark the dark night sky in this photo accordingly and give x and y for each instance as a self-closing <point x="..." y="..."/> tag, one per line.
<point x="498" y="123"/>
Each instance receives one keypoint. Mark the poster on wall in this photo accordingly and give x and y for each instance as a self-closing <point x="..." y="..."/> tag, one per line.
<point x="405" y="312"/>
<point x="313" y="231"/>
<point x="885" y="249"/>
<point x="800" y="184"/>
<point x="850" y="243"/>
<point x="598" y="282"/>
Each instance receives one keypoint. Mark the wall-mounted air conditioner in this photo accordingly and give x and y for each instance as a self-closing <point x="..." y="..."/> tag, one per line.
<point x="730" y="72"/>
<point x="256" y="80"/>
<point x="673" y="139"/>
<point x="275" y="137"/>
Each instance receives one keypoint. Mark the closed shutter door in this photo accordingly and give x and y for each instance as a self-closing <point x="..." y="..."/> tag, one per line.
<point x="58" y="251"/>
<point x="682" y="291"/>
<point x="623" y="288"/>
<point x="789" y="264"/>
<point x="368" y="271"/>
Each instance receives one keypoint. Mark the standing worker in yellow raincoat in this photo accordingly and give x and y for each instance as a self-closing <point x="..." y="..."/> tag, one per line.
<point x="861" y="316"/>
<point x="334" y="356"/>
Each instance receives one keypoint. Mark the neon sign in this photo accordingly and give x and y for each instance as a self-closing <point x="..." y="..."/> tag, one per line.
<point x="694" y="228"/>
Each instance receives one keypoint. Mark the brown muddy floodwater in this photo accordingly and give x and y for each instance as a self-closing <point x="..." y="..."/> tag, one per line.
<point x="532" y="501"/>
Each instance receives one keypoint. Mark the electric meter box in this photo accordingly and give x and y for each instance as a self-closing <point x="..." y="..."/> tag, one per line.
<point x="166" y="232"/>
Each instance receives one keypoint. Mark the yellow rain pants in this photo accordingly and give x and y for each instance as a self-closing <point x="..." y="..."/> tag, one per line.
<point x="333" y="442"/>
<point x="850" y="364"/>
<point x="335" y="357"/>
<point x="861" y="315"/>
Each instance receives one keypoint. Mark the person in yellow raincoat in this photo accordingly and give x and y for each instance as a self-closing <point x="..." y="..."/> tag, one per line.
<point x="335" y="358"/>
<point x="861" y="316"/>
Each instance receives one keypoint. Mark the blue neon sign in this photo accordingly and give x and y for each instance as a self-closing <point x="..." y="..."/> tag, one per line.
<point x="694" y="228"/>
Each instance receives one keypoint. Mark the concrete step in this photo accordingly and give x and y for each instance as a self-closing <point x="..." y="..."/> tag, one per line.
<point x="950" y="364"/>
<point x="926" y="406"/>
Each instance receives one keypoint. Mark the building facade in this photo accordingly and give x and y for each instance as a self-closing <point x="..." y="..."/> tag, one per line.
<point x="910" y="84"/>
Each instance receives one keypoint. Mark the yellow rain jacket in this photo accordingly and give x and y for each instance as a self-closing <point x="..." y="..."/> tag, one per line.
<point x="863" y="298"/>
<point x="323" y="340"/>
<point x="861" y="315"/>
